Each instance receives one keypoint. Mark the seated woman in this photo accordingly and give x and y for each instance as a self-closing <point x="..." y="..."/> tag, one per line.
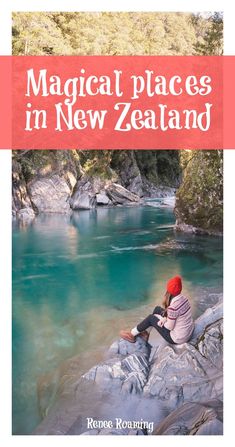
<point x="174" y="322"/>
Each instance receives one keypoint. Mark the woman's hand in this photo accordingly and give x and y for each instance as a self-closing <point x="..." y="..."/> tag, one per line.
<point x="161" y="319"/>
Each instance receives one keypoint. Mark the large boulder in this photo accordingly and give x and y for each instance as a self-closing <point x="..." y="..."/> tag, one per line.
<point x="187" y="372"/>
<point x="194" y="419"/>
<point x="94" y="191"/>
<point x="120" y="195"/>
<point x="50" y="194"/>
<point x="102" y="198"/>
<point x="49" y="179"/>
<point x="85" y="193"/>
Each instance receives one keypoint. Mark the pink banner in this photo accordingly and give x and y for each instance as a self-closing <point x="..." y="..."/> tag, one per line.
<point x="117" y="102"/>
<point x="5" y="102"/>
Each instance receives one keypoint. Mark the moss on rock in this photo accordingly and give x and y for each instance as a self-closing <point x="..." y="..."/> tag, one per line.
<point x="199" y="200"/>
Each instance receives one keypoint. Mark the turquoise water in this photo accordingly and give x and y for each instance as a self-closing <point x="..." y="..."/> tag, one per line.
<point x="78" y="280"/>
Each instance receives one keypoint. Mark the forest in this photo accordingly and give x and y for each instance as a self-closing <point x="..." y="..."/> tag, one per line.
<point x="119" y="33"/>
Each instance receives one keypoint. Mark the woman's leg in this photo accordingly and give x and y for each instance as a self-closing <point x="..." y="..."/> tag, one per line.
<point x="149" y="321"/>
<point x="152" y="320"/>
<point x="165" y="333"/>
<point x="159" y="310"/>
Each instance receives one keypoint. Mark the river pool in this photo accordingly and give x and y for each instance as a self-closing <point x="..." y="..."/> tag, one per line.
<point x="79" y="279"/>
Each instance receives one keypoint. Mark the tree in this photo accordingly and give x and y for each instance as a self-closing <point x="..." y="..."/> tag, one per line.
<point x="212" y="43"/>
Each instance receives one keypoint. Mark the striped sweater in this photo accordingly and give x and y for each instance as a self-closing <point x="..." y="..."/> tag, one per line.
<point x="179" y="319"/>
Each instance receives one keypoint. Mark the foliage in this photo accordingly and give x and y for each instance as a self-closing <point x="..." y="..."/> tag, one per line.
<point x="160" y="166"/>
<point x="115" y="33"/>
<point x="199" y="200"/>
<point x="211" y="38"/>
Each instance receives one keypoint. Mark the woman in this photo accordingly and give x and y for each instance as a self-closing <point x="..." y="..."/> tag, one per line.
<point x="174" y="322"/>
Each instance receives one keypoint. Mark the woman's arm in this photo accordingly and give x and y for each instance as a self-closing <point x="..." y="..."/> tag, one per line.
<point x="169" y="324"/>
<point x="172" y="314"/>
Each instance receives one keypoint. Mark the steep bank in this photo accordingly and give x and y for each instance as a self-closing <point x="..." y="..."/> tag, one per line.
<point x="61" y="181"/>
<point x="176" y="388"/>
<point x="199" y="200"/>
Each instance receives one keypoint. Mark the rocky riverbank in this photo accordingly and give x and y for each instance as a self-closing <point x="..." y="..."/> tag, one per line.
<point x="57" y="183"/>
<point x="64" y="181"/>
<point x="170" y="389"/>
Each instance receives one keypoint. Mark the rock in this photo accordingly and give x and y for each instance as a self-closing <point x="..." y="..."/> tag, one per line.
<point x="129" y="374"/>
<point x="91" y="432"/>
<point x="44" y="180"/>
<point x="120" y="195"/>
<point x="190" y="229"/>
<point x="84" y="196"/>
<point x="63" y="380"/>
<point x="83" y="201"/>
<point x="211" y="315"/>
<point x="20" y="195"/>
<point x="210" y="343"/>
<point x="115" y="178"/>
<point x="159" y="167"/>
<point x="108" y="432"/>
<point x="102" y="199"/>
<point x="127" y="169"/>
<point x="214" y="427"/>
<point x="135" y="381"/>
<point x="152" y="191"/>
<point x="26" y="215"/>
<point x="187" y="372"/>
<point x="50" y="194"/>
<point x="123" y="348"/>
<point x="90" y="192"/>
<point x="199" y="200"/>
<point x="136" y="185"/>
<point x="169" y="201"/>
<point x="194" y="419"/>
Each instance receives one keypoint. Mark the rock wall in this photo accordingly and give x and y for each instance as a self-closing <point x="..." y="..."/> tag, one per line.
<point x="44" y="180"/>
<point x="49" y="181"/>
<point x="199" y="200"/>
<point x="21" y="202"/>
<point x="58" y="181"/>
<point x="175" y="389"/>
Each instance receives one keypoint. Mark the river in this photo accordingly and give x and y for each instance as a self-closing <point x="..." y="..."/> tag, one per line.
<point x="79" y="279"/>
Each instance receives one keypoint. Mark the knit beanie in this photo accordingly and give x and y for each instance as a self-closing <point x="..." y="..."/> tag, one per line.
<point x="174" y="286"/>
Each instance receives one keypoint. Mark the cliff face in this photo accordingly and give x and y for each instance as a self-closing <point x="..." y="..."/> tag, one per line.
<point x="58" y="181"/>
<point x="61" y="181"/>
<point x="199" y="200"/>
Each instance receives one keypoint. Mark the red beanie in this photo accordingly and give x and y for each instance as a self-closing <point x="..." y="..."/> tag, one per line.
<point x="174" y="286"/>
